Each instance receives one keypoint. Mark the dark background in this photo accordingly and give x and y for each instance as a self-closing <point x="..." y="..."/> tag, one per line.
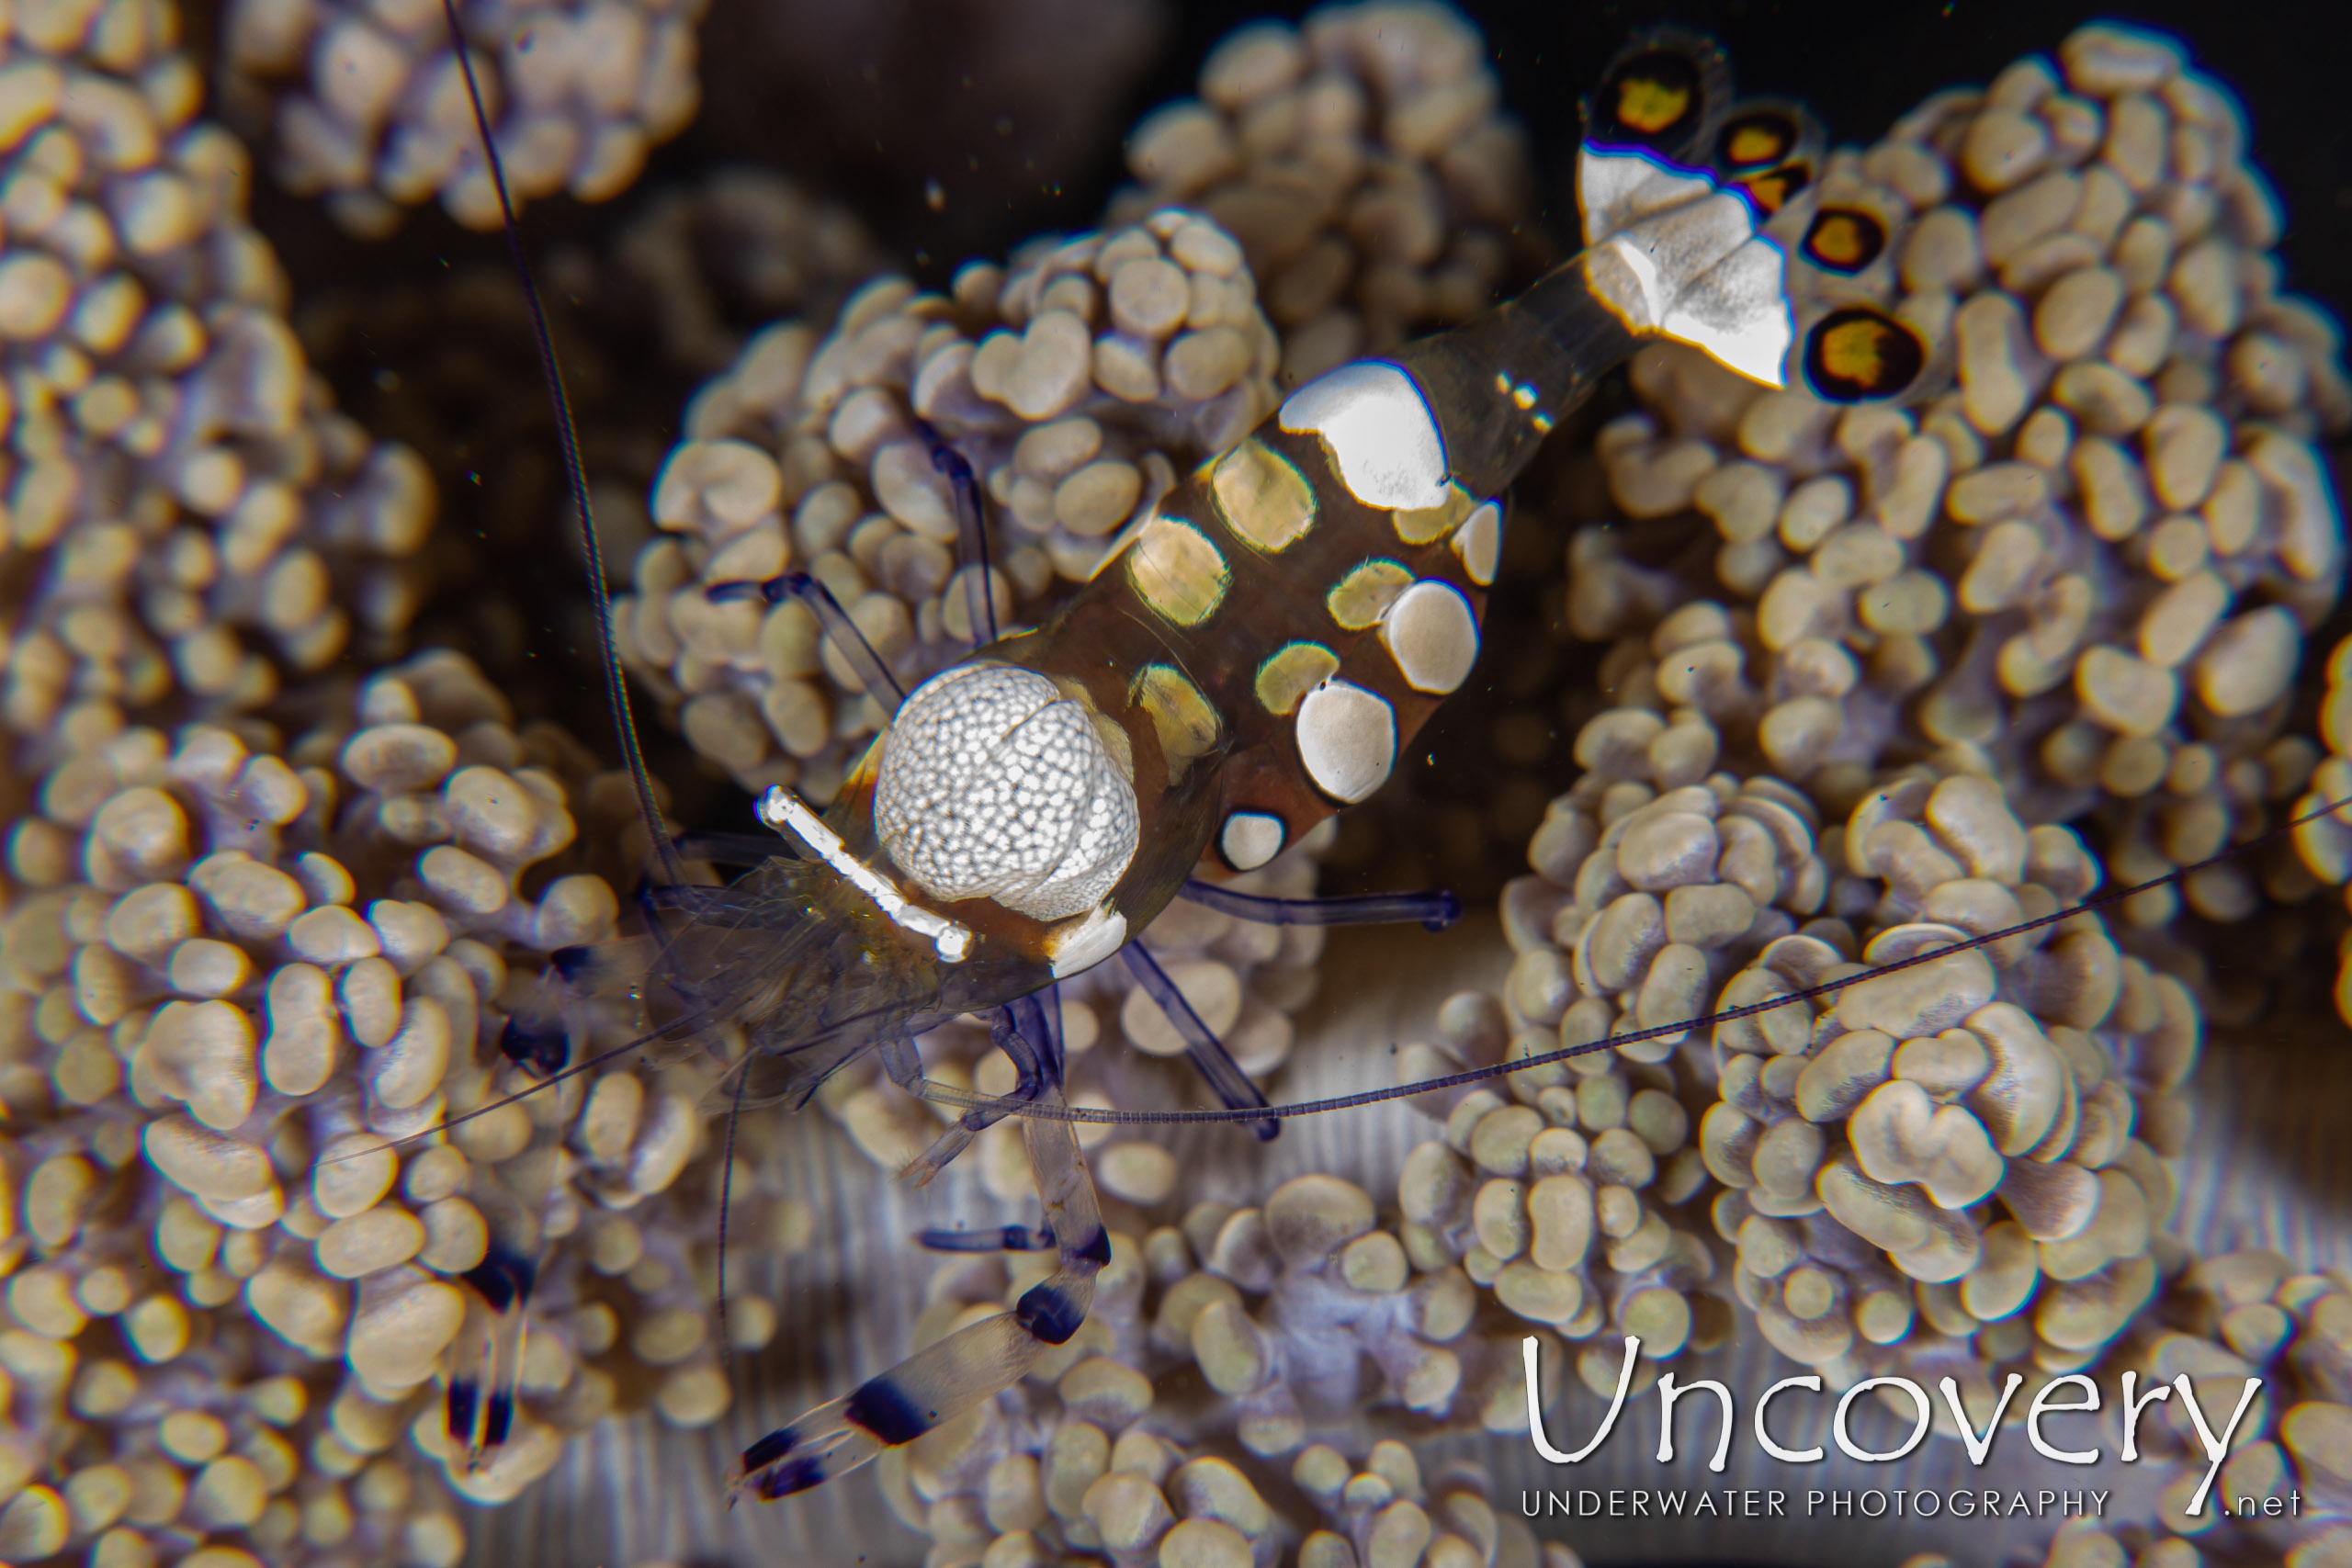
<point x="957" y="129"/>
<point x="1017" y="107"/>
<point x="1861" y="65"/>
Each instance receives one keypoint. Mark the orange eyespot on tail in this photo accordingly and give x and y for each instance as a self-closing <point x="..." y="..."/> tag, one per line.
<point x="1860" y="354"/>
<point x="1770" y="149"/>
<point x="1753" y="141"/>
<point x="1844" y="240"/>
<point x="1776" y="188"/>
<point x="1656" y="96"/>
<point x="1664" y="93"/>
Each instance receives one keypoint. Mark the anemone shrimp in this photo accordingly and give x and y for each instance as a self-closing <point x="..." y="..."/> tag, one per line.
<point x="1246" y="665"/>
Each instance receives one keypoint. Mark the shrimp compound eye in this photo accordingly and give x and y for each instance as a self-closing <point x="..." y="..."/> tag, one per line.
<point x="993" y="785"/>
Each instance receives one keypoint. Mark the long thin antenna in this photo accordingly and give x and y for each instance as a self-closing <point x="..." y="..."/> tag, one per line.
<point x="940" y="1093"/>
<point x="949" y="1094"/>
<point x="576" y="472"/>
<point x="726" y="1194"/>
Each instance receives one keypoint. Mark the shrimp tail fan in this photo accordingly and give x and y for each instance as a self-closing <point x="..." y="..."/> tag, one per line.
<point x="1674" y="252"/>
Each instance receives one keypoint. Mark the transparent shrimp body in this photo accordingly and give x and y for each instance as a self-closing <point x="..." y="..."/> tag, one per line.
<point x="1253" y="657"/>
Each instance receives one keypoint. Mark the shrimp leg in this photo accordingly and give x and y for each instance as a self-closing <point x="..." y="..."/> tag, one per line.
<point x="1434" y="910"/>
<point x="972" y="535"/>
<point x="482" y="1397"/>
<point x="486" y="1369"/>
<point x="1006" y="1238"/>
<point x="967" y="1366"/>
<point x="839" y="631"/>
<point x="1036" y="1065"/>
<point x="1202" y="1047"/>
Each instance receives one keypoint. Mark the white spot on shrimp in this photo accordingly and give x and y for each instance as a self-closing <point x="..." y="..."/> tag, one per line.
<point x="1250" y="839"/>
<point x="1382" y="436"/>
<point x="1479" y="543"/>
<point x="1738" y="312"/>
<point x="995" y="786"/>
<point x="1432" y="635"/>
<point x="1077" y="945"/>
<point x="1347" y="737"/>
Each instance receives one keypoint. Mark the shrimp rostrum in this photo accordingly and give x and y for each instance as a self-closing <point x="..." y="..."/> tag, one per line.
<point x="1253" y="654"/>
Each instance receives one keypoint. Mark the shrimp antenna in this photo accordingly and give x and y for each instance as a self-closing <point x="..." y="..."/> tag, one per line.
<point x="576" y="472"/>
<point x="692" y="1021"/>
<point x="948" y="1094"/>
<point x="726" y="1195"/>
<point x="685" y="1024"/>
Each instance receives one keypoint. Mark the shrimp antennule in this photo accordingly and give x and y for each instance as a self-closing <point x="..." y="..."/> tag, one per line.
<point x="971" y="533"/>
<point x="575" y="471"/>
<point x="839" y="631"/>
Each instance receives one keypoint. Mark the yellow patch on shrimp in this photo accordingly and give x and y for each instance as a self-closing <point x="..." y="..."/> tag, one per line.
<point x="1291" y="672"/>
<point x="1365" y="593"/>
<point x="1646" y="104"/>
<point x="1182" y="719"/>
<point x="1177" y="571"/>
<point x="1263" y="496"/>
<point x="1421" y="524"/>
